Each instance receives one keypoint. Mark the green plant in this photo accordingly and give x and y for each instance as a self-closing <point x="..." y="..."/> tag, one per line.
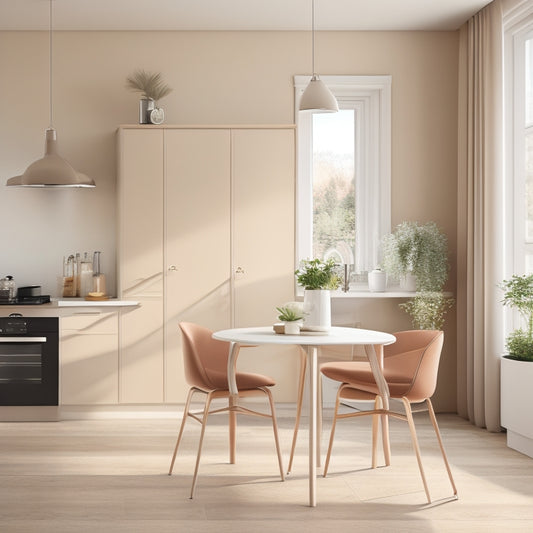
<point x="148" y="84"/>
<point x="290" y="312"/>
<point x="418" y="249"/>
<point x="315" y="274"/>
<point x="518" y="294"/>
<point x="428" y="309"/>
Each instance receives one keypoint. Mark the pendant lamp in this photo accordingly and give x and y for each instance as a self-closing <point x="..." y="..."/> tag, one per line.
<point x="52" y="170"/>
<point x="317" y="97"/>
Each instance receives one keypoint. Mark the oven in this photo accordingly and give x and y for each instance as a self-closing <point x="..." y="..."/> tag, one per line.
<point x="29" y="360"/>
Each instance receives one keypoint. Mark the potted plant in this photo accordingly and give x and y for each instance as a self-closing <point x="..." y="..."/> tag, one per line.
<point x="291" y="314"/>
<point x="516" y="374"/>
<point x="318" y="277"/>
<point x="152" y="89"/>
<point x="418" y="250"/>
<point x="428" y="309"/>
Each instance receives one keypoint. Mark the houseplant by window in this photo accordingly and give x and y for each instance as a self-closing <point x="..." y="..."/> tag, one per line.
<point x="152" y="89"/>
<point x="428" y="309"/>
<point x="317" y="277"/>
<point x="420" y="250"/>
<point x="517" y="367"/>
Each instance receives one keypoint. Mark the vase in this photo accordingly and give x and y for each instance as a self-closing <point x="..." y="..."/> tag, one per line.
<point x="146" y="106"/>
<point x="377" y="281"/>
<point x="317" y="309"/>
<point x="408" y="282"/>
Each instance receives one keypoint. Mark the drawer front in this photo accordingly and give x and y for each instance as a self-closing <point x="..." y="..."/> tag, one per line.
<point x="91" y="322"/>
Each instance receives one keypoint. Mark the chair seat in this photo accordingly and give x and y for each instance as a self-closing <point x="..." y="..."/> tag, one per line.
<point x="245" y="380"/>
<point x="360" y="374"/>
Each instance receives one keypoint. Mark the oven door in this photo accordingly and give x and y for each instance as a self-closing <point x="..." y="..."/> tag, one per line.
<point x="29" y="369"/>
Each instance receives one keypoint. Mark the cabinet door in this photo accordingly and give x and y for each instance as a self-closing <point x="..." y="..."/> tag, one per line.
<point x="89" y="358"/>
<point x="197" y="212"/>
<point x="263" y="174"/>
<point x="141" y="265"/>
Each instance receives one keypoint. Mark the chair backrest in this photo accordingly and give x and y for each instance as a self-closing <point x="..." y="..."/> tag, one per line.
<point x="202" y="355"/>
<point x="414" y="358"/>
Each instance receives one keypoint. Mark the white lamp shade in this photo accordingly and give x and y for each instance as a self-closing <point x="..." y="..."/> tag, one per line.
<point x="51" y="171"/>
<point x="318" y="98"/>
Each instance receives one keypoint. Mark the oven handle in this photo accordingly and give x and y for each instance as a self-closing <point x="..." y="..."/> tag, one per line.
<point x="22" y="339"/>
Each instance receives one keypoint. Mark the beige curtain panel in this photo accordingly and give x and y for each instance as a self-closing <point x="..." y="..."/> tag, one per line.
<point x="480" y="333"/>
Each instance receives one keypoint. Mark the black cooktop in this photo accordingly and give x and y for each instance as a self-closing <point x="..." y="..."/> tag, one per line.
<point x="28" y="300"/>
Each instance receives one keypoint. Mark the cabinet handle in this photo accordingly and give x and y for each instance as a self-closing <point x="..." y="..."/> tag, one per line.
<point x="172" y="268"/>
<point x="239" y="270"/>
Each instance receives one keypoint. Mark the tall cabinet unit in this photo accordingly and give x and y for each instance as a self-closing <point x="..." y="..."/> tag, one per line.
<point x="206" y="235"/>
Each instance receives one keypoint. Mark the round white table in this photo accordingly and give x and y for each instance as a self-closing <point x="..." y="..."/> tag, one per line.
<point x="373" y="341"/>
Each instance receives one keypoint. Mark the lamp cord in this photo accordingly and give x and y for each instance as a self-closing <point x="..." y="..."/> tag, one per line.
<point x="50" y="60"/>
<point x="313" y="35"/>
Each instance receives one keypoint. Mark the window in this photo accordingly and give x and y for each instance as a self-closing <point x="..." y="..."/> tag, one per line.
<point x="343" y="189"/>
<point x="519" y="146"/>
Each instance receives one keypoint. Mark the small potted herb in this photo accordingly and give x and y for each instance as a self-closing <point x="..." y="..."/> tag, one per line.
<point x="292" y="315"/>
<point x="516" y="374"/>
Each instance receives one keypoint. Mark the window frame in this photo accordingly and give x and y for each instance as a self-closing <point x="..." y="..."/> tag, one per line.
<point x="370" y="98"/>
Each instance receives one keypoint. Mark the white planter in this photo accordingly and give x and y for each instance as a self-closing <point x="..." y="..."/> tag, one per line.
<point x="292" y="328"/>
<point x="408" y="283"/>
<point x="377" y="281"/>
<point x="516" y="397"/>
<point x="317" y="306"/>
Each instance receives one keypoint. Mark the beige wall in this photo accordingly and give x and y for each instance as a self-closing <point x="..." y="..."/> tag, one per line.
<point x="218" y="78"/>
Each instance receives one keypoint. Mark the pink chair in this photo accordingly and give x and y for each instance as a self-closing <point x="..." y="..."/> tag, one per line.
<point x="410" y="369"/>
<point x="205" y="362"/>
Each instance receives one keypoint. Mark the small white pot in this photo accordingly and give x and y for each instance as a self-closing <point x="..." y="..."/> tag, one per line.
<point x="377" y="281"/>
<point x="317" y="306"/>
<point x="408" y="282"/>
<point x="292" y="328"/>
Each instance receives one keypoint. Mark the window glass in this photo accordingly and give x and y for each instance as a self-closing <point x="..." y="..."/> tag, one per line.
<point x="334" y="186"/>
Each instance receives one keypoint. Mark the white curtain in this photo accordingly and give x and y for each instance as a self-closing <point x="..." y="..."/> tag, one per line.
<point x="480" y="250"/>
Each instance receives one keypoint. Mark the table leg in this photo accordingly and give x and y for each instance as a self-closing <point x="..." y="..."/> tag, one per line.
<point x="312" y="354"/>
<point x="375" y="358"/>
<point x="233" y="399"/>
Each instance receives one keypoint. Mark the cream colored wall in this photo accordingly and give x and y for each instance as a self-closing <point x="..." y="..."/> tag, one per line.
<point x="218" y="78"/>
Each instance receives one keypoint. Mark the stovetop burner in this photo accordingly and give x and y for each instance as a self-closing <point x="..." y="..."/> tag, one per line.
<point x="28" y="300"/>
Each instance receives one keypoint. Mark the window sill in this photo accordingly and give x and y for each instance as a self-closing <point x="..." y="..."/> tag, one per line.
<point x="365" y="293"/>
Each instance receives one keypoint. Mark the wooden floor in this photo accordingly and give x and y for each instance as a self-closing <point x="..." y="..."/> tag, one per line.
<point x="111" y="475"/>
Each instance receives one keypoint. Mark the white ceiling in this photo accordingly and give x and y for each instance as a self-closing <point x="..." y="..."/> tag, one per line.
<point x="238" y="14"/>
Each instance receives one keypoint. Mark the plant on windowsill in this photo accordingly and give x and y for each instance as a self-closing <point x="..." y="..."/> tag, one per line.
<point x="516" y="372"/>
<point x="419" y="250"/>
<point x="318" y="278"/>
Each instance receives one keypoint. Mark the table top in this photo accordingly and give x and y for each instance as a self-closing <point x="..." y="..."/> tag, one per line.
<point x="335" y="336"/>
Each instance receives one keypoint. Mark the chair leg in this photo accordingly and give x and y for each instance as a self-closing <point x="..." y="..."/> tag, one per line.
<point x="375" y="430"/>
<point x="332" y="434"/>
<point x="301" y="383"/>
<point x="275" y="428"/>
<point x="410" y="421"/>
<point x="232" y="430"/>
<point x="437" y="432"/>
<point x="182" y="427"/>
<point x="385" y="438"/>
<point x="198" y="455"/>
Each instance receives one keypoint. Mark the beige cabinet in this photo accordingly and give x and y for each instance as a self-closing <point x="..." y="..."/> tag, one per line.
<point x="89" y="358"/>
<point x="219" y="249"/>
